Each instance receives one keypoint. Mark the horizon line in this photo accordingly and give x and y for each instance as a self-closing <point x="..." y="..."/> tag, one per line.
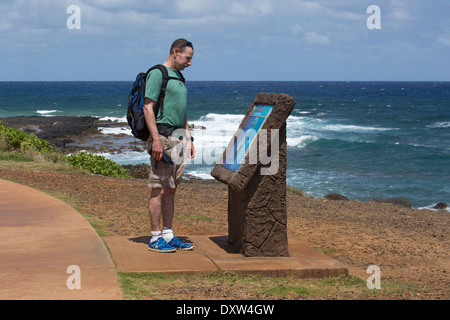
<point x="233" y="81"/>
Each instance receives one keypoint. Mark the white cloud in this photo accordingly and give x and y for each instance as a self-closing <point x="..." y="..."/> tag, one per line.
<point x="315" y="38"/>
<point x="296" y="29"/>
<point x="217" y="27"/>
<point x="250" y="8"/>
<point x="444" y="39"/>
<point x="308" y="7"/>
<point x="398" y="15"/>
<point x="310" y="37"/>
<point x="199" y="7"/>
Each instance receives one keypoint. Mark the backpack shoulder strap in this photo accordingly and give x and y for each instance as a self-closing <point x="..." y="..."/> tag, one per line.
<point x="162" y="93"/>
<point x="182" y="77"/>
<point x="165" y="78"/>
<point x="165" y="74"/>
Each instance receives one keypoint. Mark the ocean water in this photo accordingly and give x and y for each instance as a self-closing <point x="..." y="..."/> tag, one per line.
<point x="359" y="139"/>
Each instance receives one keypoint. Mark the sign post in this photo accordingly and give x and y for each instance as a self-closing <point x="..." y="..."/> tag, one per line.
<point x="254" y="168"/>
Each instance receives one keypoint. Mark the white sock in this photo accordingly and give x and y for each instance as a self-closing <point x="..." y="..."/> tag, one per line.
<point x="167" y="234"/>
<point x="155" y="235"/>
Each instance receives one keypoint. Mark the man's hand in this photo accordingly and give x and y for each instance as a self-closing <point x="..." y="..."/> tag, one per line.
<point x="157" y="149"/>
<point x="190" y="149"/>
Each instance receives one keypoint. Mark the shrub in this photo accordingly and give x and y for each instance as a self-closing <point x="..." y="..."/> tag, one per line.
<point x="96" y="164"/>
<point x="16" y="140"/>
<point x="29" y="146"/>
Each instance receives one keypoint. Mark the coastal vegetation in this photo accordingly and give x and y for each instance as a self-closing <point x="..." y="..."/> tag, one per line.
<point x="96" y="164"/>
<point x="17" y="145"/>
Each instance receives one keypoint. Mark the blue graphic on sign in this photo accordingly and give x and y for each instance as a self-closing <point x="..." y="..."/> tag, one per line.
<point x="242" y="142"/>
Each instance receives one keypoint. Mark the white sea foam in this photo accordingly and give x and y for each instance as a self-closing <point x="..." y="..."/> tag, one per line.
<point x="353" y="128"/>
<point x="431" y="208"/>
<point x="301" y="142"/>
<point x="114" y="119"/>
<point x="131" y="157"/>
<point x="47" y="112"/>
<point x="220" y="128"/>
<point x="118" y="130"/>
<point x="203" y="173"/>
<point x="212" y="141"/>
<point x="217" y="122"/>
<point x="441" y="124"/>
<point x="303" y="112"/>
<point x="115" y="131"/>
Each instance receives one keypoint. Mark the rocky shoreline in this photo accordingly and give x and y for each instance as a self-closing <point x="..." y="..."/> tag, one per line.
<point x="70" y="134"/>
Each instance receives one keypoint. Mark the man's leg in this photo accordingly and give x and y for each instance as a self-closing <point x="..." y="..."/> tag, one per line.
<point x="163" y="180"/>
<point x="161" y="203"/>
<point x="168" y="207"/>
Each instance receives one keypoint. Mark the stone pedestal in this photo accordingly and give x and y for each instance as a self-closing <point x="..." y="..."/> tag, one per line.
<point x="257" y="222"/>
<point x="257" y="214"/>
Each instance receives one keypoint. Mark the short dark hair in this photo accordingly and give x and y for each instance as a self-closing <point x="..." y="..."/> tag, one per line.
<point x="180" y="44"/>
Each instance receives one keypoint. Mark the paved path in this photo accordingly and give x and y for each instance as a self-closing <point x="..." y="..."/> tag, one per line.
<point x="48" y="251"/>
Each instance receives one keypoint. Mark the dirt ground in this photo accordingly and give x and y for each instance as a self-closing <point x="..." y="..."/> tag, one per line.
<point x="407" y="244"/>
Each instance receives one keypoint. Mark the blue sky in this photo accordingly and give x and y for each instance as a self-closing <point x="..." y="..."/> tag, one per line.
<point x="233" y="40"/>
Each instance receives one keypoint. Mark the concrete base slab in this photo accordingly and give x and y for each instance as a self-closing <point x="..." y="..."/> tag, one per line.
<point x="131" y="254"/>
<point x="213" y="253"/>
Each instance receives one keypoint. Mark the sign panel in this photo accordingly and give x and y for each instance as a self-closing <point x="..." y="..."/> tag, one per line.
<point x="235" y="155"/>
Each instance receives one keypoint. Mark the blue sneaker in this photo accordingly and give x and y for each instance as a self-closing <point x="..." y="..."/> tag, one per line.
<point x="178" y="244"/>
<point x="161" y="245"/>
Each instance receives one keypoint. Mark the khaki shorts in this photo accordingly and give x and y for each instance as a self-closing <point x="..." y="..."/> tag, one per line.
<point x="164" y="175"/>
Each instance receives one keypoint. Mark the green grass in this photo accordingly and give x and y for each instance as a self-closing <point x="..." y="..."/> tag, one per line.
<point x="14" y="157"/>
<point x="325" y="250"/>
<point x="228" y="285"/>
<point x="295" y="191"/>
<point x="23" y="163"/>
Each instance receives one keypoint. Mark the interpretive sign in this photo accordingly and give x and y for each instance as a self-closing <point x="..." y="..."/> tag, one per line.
<point x="246" y="137"/>
<point x="254" y="168"/>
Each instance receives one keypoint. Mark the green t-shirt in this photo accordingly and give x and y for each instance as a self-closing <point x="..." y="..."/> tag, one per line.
<point x="175" y="101"/>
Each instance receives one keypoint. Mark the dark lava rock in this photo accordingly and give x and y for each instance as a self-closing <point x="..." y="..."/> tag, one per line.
<point x="336" y="196"/>
<point x="138" y="171"/>
<point x="58" y="131"/>
<point x="441" y="206"/>
<point x="394" y="201"/>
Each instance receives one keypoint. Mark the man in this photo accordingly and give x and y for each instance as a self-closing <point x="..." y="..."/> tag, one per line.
<point x="164" y="177"/>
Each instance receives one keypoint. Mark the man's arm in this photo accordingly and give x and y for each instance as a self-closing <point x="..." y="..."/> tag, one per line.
<point x="191" y="148"/>
<point x="150" y="119"/>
